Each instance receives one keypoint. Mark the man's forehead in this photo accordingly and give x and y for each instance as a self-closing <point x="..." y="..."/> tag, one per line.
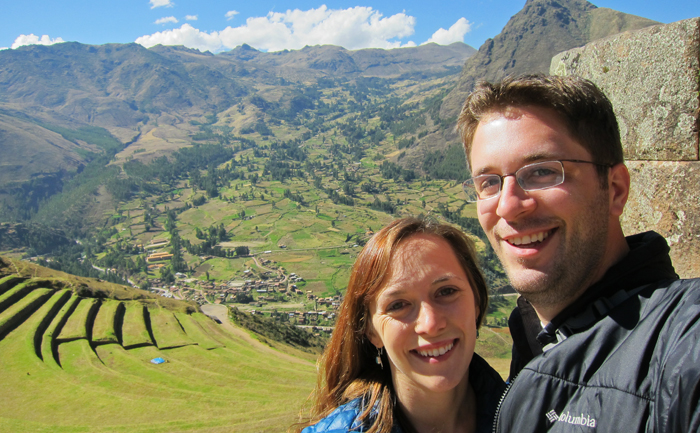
<point x="533" y="115"/>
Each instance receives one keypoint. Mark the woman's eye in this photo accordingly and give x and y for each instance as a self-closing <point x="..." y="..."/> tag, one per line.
<point x="446" y="291"/>
<point x="395" y="306"/>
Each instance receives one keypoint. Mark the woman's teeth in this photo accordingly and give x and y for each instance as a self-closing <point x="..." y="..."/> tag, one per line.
<point x="437" y="352"/>
<point x="527" y="239"/>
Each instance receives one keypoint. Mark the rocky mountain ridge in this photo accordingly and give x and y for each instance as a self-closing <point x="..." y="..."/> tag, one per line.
<point x="533" y="36"/>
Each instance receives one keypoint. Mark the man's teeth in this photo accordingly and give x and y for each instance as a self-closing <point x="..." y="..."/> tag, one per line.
<point x="437" y="352"/>
<point x="528" y="239"/>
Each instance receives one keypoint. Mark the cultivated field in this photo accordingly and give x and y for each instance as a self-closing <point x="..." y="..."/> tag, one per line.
<point x="75" y="363"/>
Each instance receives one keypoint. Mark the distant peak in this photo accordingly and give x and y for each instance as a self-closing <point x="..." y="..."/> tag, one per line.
<point x="245" y="47"/>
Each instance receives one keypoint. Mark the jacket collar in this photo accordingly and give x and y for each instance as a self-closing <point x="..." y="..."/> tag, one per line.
<point x="646" y="263"/>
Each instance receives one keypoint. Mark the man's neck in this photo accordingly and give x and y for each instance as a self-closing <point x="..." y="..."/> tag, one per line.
<point x="615" y="253"/>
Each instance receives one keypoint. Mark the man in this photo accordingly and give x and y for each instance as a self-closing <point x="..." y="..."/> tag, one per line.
<point x="605" y="334"/>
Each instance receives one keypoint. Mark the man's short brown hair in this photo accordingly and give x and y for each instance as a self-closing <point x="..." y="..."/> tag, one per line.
<point x="584" y="108"/>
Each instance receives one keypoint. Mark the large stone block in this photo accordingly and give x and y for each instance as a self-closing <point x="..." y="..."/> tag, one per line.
<point x="665" y="197"/>
<point x="651" y="76"/>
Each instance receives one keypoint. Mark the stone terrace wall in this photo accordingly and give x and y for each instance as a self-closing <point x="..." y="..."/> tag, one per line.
<point x="652" y="77"/>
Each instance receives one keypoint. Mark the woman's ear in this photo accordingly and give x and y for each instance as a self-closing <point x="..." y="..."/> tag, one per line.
<point x="372" y="336"/>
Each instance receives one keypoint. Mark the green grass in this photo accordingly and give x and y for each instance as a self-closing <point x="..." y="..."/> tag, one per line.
<point x="19" y="310"/>
<point x="221" y="384"/>
<point x="103" y="330"/>
<point x="49" y="340"/>
<point x="7" y="282"/>
<point x="76" y="327"/>
<point x="15" y="293"/>
<point x="134" y="330"/>
<point x="167" y="330"/>
<point x="195" y="331"/>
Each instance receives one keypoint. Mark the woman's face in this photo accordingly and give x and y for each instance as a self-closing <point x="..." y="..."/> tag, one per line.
<point x="425" y="316"/>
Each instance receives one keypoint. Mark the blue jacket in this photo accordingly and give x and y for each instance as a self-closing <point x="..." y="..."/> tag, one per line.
<point x="488" y="387"/>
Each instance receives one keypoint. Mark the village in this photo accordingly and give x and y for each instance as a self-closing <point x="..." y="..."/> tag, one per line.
<point x="268" y="291"/>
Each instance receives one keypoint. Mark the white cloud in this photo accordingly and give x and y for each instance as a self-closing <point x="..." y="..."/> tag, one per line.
<point x="454" y="34"/>
<point x="230" y="14"/>
<point x="4" y="48"/>
<point x="32" y="39"/>
<point x="161" y="3"/>
<point x="352" y="28"/>
<point x="185" y="35"/>
<point x="191" y="17"/>
<point x="166" y="20"/>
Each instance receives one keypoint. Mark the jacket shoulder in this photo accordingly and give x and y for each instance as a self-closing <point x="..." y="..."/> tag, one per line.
<point x="341" y="420"/>
<point x="680" y="362"/>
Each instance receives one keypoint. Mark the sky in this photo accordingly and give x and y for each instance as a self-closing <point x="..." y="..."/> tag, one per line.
<point x="218" y="25"/>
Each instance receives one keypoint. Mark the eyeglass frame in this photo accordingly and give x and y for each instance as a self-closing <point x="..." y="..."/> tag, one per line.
<point x="501" y="178"/>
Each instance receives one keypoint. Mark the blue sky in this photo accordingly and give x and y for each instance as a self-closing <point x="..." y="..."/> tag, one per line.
<point x="217" y="25"/>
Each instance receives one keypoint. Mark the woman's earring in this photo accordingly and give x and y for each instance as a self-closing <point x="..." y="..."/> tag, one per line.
<point x="378" y="359"/>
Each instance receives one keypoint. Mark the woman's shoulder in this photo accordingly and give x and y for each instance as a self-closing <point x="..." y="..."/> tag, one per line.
<point x="343" y="419"/>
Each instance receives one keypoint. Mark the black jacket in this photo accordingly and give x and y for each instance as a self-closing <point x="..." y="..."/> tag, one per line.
<point x="625" y="357"/>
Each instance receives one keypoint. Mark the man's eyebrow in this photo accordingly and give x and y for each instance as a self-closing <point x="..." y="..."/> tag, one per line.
<point x="529" y="159"/>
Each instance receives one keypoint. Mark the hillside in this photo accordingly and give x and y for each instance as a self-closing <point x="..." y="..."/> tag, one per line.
<point x="81" y="354"/>
<point x="214" y="161"/>
<point x="532" y="37"/>
<point x="77" y="356"/>
<point x="126" y="88"/>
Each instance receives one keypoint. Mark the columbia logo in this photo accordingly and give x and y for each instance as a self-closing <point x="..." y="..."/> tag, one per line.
<point x="582" y="420"/>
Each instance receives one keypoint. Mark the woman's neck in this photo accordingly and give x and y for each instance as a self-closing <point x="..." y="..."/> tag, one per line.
<point x="453" y="411"/>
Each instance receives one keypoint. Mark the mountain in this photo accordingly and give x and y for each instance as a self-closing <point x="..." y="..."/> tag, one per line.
<point x="331" y="59"/>
<point x="125" y="88"/>
<point x="532" y="37"/>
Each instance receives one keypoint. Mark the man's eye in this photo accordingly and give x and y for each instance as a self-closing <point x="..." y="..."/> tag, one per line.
<point x="488" y="183"/>
<point x="543" y="172"/>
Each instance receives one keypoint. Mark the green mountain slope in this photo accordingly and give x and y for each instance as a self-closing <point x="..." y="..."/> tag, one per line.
<point x="65" y="367"/>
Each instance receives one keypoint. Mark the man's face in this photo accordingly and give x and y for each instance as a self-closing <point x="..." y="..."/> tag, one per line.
<point x="551" y="242"/>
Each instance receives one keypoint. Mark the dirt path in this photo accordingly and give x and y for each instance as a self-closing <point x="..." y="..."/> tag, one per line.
<point x="504" y="339"/>
<point x="221" y="313"/>
<point x="265" y="268"/>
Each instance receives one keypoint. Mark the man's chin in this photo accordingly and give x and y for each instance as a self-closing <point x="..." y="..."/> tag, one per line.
<point x="528" y="281"/>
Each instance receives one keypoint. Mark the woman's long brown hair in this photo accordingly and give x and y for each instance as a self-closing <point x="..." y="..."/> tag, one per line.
<point x="347" y="369"/>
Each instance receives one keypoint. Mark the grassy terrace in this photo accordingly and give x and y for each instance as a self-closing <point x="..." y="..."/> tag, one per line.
<point x="89" y="380"/>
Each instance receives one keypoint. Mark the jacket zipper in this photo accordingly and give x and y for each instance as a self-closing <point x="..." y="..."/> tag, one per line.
<point x="500" y="402"/>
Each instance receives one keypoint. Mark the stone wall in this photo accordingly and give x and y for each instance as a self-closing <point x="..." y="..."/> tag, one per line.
<point x="652" y="77"/>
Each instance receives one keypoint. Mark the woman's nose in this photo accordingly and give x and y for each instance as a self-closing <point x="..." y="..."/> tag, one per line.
<point x="430" y="320"/>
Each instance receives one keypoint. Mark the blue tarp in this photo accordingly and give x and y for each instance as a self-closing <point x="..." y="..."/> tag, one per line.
<point x="157" y="360"/>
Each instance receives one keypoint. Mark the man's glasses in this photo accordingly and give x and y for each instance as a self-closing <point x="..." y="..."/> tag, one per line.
<point x="532" y="177"/>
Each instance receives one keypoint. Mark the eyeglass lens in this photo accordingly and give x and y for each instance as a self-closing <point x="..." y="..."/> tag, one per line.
<point x="531" y="177"/>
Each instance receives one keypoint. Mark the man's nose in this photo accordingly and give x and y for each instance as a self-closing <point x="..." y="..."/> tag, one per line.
<point x="514" y="201"/>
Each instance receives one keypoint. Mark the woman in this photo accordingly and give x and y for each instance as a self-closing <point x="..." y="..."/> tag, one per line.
<point x="401" y="358"/>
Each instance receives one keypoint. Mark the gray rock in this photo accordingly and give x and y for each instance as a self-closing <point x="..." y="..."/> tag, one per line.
<point x="651" y="77"/>
<point x="665" y="197"/>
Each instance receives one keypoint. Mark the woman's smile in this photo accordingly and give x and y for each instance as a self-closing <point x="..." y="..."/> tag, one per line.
<point x="436" y="352"/>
